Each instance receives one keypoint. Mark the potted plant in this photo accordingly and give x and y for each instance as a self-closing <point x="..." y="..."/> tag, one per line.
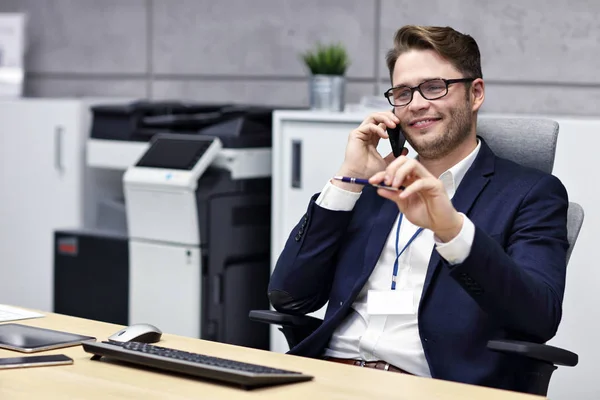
<point x="327" y="65"/>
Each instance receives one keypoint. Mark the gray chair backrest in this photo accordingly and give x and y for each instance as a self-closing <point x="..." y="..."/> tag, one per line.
<point x="574" y="221"/>
<point x="530" y="142"/>
<point x="527" y="141"/>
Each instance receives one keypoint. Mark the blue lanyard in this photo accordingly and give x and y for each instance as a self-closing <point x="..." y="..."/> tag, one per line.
<point x="395" y="275"/>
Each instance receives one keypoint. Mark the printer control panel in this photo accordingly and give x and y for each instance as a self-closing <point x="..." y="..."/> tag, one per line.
<point x="175" y="154"/>
<point x="174" y="161"/>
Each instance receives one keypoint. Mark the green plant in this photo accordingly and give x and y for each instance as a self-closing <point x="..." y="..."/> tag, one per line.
<point x="327" y="59"/>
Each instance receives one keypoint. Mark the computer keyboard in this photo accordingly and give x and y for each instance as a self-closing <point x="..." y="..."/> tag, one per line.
<point x="245" y="375"/>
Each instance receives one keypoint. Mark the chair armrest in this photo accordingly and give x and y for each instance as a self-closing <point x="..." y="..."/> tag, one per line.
<point x="277" y="318"/>
<point x="542" y="352"/>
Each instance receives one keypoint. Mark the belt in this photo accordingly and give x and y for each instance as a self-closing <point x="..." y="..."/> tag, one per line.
<point x="368" y="364"/>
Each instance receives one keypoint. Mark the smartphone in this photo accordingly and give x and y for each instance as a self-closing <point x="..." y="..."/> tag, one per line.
<point x="35" y="361"/>
<point x="397" y="140"/>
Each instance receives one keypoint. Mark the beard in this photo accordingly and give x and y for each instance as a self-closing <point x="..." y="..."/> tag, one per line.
<point x="458" y="129"/>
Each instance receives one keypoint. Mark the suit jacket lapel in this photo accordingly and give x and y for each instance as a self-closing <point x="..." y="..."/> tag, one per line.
<point x="475" y="180"/>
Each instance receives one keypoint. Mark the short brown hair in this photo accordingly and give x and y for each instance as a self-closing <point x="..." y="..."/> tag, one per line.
<point x="459" y="49"/>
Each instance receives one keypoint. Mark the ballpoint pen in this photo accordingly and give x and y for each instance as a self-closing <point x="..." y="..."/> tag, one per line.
<point x="360" y="181"/>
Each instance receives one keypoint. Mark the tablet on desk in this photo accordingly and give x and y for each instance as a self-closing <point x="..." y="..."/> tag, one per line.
<point x="30" y="339"/>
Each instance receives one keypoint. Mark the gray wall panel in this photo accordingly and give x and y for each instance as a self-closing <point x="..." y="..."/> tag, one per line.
<point x="259" y="37"/>
<point x="534" y="40"/>
<point x="84" y="36"/>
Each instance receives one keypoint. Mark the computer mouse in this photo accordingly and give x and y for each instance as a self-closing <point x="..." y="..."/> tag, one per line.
<point x="144" y="333"/>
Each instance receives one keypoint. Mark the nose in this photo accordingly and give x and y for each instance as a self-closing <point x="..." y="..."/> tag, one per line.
<point x="418" y="102"/>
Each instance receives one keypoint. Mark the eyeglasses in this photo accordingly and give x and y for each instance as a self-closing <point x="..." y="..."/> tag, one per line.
<point x="433" y="89"/>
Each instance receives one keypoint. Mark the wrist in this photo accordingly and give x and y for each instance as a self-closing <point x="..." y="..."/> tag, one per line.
<point x="347" y="170"/>
<point x="447" y="234"/>
<point x="350" y="172"/>
<point x="350" y="187"/>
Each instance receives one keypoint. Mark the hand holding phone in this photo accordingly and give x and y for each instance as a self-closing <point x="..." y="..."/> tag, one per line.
<point x="361" y="158"/>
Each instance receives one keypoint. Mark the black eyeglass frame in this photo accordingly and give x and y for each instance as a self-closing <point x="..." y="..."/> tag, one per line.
<point x="448" y="82"/>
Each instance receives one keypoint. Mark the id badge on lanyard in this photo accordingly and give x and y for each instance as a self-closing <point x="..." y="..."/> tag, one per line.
<point x="393" y="302"/>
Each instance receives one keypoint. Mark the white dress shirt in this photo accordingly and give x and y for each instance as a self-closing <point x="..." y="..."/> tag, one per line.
<point x="395" y="338"/>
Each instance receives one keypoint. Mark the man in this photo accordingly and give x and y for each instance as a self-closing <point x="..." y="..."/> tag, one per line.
<point x="473" y="247"/>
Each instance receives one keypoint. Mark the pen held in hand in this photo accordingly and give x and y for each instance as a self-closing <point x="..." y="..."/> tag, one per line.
<point x="360" y="181"/>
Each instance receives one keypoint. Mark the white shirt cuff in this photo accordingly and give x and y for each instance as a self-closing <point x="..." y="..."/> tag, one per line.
<point x="337" y="199"/>
<point x="458" y="249"/>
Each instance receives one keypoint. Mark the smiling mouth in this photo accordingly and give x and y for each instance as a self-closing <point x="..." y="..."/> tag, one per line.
<point x="426" y="123"/>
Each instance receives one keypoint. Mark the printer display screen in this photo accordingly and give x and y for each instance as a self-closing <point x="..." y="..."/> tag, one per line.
<point x="174" y="153"/>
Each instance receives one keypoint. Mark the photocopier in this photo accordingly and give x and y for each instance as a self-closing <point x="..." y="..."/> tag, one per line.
<point x="191" y="253"/>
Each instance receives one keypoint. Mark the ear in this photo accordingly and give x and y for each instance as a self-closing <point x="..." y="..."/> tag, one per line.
<point x="477" y="94"/>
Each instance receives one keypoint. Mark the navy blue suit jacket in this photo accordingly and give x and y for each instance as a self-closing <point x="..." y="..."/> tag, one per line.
<point x="510" y="286"/>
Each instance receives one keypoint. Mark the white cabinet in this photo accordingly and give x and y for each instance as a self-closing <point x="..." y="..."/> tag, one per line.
<point x="42" y="189"/>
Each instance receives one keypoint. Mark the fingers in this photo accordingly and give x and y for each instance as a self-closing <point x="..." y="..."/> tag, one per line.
<point x="402" y="171"/>
<point x="394" y="176"/>
<point x="382" y="120"/>
<point x="397" y="171"/>
<point x="368" y="131"/>
<point x="388" y="118"/>
<point x="419" y="186"/>
<point x="377" y="178"/>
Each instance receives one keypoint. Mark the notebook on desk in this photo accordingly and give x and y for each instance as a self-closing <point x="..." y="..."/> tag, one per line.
<point x="8" y="313"/>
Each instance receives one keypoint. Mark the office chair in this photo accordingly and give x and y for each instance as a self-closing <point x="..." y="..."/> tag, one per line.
<point x="529" y="142"/>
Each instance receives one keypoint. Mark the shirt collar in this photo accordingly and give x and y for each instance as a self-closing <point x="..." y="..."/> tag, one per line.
<point x="452" y="177"/>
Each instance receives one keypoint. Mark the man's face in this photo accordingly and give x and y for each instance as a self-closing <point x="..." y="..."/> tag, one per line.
<point x="433" y="128"/>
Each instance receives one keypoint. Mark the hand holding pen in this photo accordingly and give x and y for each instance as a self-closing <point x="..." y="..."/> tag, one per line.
<point x="360" y="181"/>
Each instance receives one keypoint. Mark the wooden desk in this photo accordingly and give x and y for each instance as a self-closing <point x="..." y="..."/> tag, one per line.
<point x="87" y="379"/>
